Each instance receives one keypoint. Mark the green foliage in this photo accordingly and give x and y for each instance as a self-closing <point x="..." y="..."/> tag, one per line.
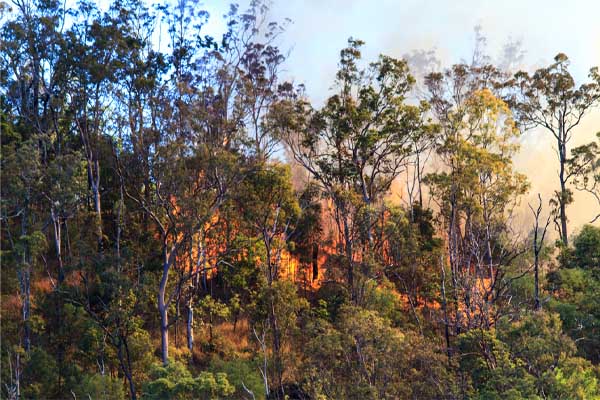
<point x="362" y="356"/>
<point x="486" y="362"/>
<point x="586" y="253"/>
<point x="100" y="387"/>
<point x="212" y="311"/>
<point x="576" y="300"/>
<point x="385" y="301"/>
<point x="537" y="341"/>
<point x="284" y="297"/>
<point x="574" y="287"/>
<point x="241" y="373"/>
<point x="331" y="297"/>
<point x="176" y="381"/>
<point x="413" y="250"/>
<point x="143" y="185"/>
<point x="576" y="378"/>
<point x="527" y="358"/>
<point x="40" y="375"/>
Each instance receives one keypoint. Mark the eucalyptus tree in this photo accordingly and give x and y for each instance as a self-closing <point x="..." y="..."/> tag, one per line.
<point x="584" y="168"/>
<point x="61" y="68"/>
<point x="33" y="92"/>
<point x="539" y="234"/>
<point x="22" y="238"/>
<point x="356" y="145"/>
<point x="549" y="99"/>
<point x="190" y="124"/>
<point x="93" y="58"/>
<point x="477" y="188"/>
<point x="271" y="211"/>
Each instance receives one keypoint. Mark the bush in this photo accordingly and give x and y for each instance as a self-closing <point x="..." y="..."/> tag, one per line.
<point x="175" y="381"/>
<point x="241" y="373"/>
<point x="99" y="387"/>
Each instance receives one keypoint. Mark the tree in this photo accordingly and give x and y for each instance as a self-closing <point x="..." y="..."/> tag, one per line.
<point x="549" y="99"/>
<point x="33" y="90"/>
<point x="584" y="168"/>
<point x="359" y="355"/>
<point x="146" y="206"/>
<point x="356" y="145"/>
<point x="573" y="286"/>
<point x="411" y="249"/>
<point x="275" y="314"/>
<point x="528" y="357"/>
<point x="586" y="252"/>
<point x="579" y="309"/>
<point x="270" y="207"/>
<point x="93" y="74"/>
<point x="197" y="152"/>
<point x="476" y="190"/>
<point x="537" y="248"/>
<point x="174" y="380"/>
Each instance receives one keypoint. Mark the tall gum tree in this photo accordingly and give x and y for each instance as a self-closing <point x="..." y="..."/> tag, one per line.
<point x="197" y="130"/>
<point x="356" y="145"/>
<point x="549" y="99"/>
<point x="584" y="168"/>
<point x="476" y="189"/>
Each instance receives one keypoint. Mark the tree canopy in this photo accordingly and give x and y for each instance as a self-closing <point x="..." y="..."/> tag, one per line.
<point x="179" y="221"/>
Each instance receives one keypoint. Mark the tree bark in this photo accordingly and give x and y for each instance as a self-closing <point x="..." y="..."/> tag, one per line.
<point x="190" y="326"/>
<point x="163" y="307"/>
<point x="348" y="250"/>
<point x="164" y="329"/>
<point x="57" y="244"/>
<point x="538" y="304"/>
<point x="537" y="248"/>
<point x="24" y="276"/>
<point x="126" y="366"/>
<point x="277" y="350"/>
<point x="98" y="205"/>
<point x="445" y="310"/>
<point x="563" y="196"/>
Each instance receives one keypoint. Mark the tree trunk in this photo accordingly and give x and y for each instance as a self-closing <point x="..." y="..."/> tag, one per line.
<point x="190" y="327"/>
<point x="348" y="250"/>
<point x="538" y="244"/>
<point x="24" y="276"/>
<point x="131" y="387"/>
<point x="57" y="245"/>
<point x="93" y="170"/>
<point x="315" y="261"/>
<point x="163" y="309"/>
<point x="164" y="330"/>
<point x="119" y="226"/>
<point x="563" y="196"/>
<point x="126" y="366"/>
<point x="98" y="205"/>
<point x="538" y="304"/>
<point x="454" y="263"/>
<point x="445" y="310"/>
<point x="277" y="351"/>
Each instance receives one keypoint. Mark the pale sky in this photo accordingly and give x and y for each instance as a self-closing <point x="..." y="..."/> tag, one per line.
<point x="320" y="28"/>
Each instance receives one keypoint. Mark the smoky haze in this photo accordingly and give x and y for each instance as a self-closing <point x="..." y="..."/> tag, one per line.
<point x="436" y="34"/>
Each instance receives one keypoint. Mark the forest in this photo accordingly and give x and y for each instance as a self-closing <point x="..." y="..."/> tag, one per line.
<point x="180" y="221"/>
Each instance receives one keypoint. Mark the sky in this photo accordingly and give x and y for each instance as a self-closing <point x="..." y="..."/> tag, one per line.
<point x="320" y="28"/>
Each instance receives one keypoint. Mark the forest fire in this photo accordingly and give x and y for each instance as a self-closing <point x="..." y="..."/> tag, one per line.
<point x="180" y="218"/>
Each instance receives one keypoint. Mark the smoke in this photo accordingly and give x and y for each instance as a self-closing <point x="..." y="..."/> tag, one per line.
<point x="433" y="35"/>
<point x="538" y="160"/>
